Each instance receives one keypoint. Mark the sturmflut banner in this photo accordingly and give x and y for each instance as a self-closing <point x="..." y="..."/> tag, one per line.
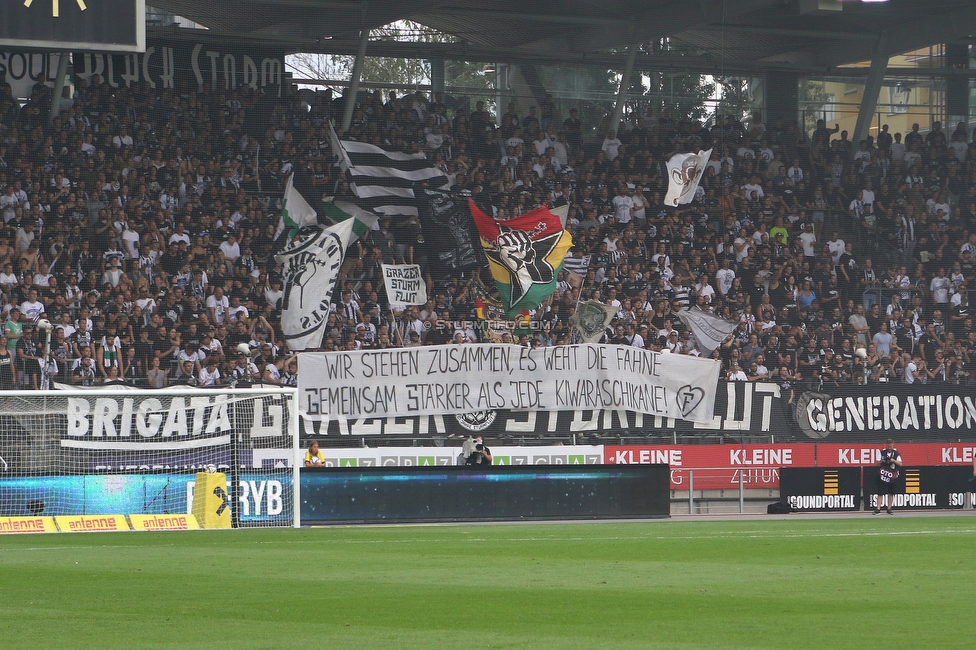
<point x="404" y="284"/>
<point x="451" y="379"/>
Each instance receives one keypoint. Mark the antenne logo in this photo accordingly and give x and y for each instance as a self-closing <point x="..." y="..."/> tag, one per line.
<point x="913" y="481"/>
<point x="831" y="482"/>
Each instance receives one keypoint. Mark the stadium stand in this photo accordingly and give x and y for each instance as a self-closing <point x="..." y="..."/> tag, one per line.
<point x="142" y="223"/>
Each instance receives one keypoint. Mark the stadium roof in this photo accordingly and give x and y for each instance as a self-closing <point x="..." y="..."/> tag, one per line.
<point x="807" y="36"/>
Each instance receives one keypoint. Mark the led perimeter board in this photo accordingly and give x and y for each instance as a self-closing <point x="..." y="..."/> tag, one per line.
<point x="507" y="493"/>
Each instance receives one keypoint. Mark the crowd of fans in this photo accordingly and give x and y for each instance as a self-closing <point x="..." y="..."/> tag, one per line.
<point x="141" y="223"/>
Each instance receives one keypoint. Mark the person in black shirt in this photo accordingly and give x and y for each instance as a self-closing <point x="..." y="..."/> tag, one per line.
<point x="889" y="468"/>
<point x="28" y="353"/>
<point x="8" y="369"/>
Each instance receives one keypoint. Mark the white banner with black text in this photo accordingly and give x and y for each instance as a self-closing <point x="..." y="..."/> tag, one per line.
<point x="450" y="379"/>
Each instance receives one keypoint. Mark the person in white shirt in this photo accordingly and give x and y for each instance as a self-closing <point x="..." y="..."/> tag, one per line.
<point x="736" y="374"/>
<point x="32" y="308"/>
<point x="753" y="186"/>
<point x="8" y="279"/>
<point x="808" y="239"/>
<point x="237" y="310"/>
<point x="623" y="205"/>
<point x="897" y="149"/>
<point x="725" y="277"/>
<point x="113" y="274"/>
<point x="180" y="236"/>
<point x="836" y="247"/>
<point x="231" y="249"/>
<point x="705" y="290"/>
<point x="911" y="369"/>
<point x="217" y="304"/>
<point x="939" y="286"/>
<point x="123" y="139"/>
<point x="209" y="373"/>
<point x="43" y="276"/>
<point x="611" y="145"/>
<point x="130" y="241"/>
<point x="795" y="173"/>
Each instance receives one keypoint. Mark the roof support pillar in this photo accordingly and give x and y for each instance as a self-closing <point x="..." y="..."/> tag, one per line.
<point x="59" y="82"/>
<point x="437" y="76"/>
<point x="357" y="74"/>
<point x="618" y="109"/>
<point x="872" y="88"/>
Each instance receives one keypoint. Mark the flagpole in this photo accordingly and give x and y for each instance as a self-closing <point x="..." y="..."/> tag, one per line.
<point x="579" y="295"/>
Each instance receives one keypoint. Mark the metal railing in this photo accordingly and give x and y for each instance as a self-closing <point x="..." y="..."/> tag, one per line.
<point x="740" y="483"/>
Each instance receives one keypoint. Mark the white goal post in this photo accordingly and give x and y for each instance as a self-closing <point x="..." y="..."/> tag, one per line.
<point x="70" y="453"/>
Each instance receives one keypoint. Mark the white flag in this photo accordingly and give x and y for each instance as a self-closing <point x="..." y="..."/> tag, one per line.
<point x="709" y="330"/>
<point x="591" y="320"/>
<point x="404" y="284"/>
<point x="562" y="212"/>
<point x="311" y="265"/>
<point x="296" y="213"/>
<point x="684" y="173"/>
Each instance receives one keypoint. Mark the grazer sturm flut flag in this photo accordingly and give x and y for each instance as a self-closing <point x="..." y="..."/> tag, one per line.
<point x="296" y="213"/>
<point x="405" y="284"/>
<point x="709" y="330"/>
<point x="525" y="255"/>
<point x="685" y="171"/>
<point x="310" y="267"/>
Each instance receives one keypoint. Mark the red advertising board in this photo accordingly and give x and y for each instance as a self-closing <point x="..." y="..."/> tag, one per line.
<point x="722" y="466"/>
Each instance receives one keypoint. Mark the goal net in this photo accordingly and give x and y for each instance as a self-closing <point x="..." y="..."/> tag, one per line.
<point x="70" y="454"/>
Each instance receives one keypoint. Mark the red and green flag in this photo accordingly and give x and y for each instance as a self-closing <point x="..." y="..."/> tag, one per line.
<point x="525" y="255"/>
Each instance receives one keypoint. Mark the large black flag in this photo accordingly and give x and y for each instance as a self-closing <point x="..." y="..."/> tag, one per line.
<point x="452" y="240"/>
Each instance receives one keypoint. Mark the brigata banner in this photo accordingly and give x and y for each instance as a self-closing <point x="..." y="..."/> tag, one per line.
<point x="144" y="430"/>
<point x="169" y="422"/>
<point x="451" y="379"/>
<point x="881" y="411"/>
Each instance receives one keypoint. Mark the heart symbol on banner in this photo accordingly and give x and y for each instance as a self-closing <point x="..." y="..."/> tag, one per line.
<point x="689" y="398"/>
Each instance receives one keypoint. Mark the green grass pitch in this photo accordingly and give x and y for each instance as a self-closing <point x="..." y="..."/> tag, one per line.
<point x="778" y="583"/>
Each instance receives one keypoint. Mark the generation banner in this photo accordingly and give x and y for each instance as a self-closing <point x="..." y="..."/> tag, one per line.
<point x="880" y="411"/>
<point x="452" y="379"/>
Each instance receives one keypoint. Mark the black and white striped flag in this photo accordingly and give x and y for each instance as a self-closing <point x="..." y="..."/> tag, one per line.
<point x="577" y="265"/>
<point x="385" y="181"/>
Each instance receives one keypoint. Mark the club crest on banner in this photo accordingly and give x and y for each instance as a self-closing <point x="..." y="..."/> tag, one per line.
<point x="591" y="320"/>
<point x="685" y="171"/>
<point x="477" y="420"/>
<point x="311" y="266"/>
